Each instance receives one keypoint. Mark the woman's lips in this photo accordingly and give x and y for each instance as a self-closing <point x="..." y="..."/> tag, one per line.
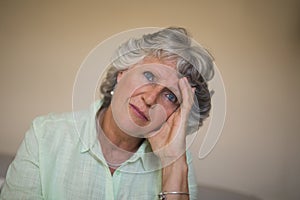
<point x="138" y="112"/>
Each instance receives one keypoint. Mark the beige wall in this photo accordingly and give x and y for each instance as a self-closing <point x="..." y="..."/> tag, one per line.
<point x="256" y="46"/>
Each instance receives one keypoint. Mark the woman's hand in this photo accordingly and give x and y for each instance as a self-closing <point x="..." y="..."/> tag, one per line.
<point x="168" y="143"/>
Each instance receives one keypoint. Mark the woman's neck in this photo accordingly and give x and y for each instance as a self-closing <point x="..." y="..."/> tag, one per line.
<point x="115" y="136"/>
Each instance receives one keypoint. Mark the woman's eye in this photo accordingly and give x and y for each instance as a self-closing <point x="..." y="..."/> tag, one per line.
<point x="171" y="97"/>
<point x="149" y="76"/>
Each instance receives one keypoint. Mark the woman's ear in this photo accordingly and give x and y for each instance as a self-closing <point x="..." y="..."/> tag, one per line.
<point x="120" y="75"/>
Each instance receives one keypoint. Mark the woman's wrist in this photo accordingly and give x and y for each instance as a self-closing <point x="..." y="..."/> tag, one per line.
<point x="175" y="171"/>
<point x="175" y="178"/>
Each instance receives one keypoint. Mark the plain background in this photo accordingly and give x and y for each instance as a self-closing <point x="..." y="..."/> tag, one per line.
<point x="256" y="45"/>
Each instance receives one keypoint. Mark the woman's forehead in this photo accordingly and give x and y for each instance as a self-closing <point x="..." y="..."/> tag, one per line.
<point x="163" y="67"/>
<point x="162" y="73"/>
<point x="152" y="60"/>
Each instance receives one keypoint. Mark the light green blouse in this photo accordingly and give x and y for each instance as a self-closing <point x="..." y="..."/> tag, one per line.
<point x="61" y="158"/>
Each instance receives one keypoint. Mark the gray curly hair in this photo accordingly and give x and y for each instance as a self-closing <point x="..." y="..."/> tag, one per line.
<point x="174" y="43"/>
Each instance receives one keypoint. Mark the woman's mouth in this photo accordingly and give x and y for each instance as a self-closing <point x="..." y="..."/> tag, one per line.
<point x="138" y="112"/>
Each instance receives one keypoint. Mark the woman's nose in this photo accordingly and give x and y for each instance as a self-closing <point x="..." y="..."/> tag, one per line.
<point x="150" y="97"/>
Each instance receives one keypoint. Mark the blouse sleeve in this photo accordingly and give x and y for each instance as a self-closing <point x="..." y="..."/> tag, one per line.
<point x="193" y="187"/>
<point x="23" y="176"/>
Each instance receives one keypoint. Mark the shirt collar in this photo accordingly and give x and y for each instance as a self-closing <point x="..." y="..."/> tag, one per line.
<point x="85" y="122"/>
<point x="86" y="127"/>
<point x="149" y="160"/>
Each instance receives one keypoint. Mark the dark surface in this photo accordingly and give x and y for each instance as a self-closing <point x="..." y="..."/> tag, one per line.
<point x="5" y="161"/>
<point x="212" y="193"/>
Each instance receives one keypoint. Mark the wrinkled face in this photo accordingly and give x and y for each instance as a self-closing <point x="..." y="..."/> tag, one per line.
<point x="145" y="96"/>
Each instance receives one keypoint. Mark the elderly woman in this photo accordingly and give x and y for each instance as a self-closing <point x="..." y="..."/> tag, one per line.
<point x="131" y="143"/>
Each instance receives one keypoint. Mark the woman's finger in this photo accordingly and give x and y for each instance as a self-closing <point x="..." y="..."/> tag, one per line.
<point x="187" y="93"/>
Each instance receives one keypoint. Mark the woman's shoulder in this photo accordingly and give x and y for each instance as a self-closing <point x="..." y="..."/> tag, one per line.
<point x="59" y="124"/>
<point x="54" y="119"/>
